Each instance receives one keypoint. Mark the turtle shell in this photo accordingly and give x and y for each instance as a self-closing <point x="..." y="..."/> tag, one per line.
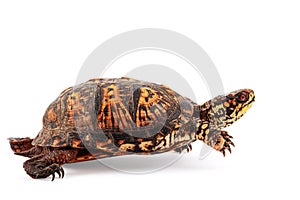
<point x="108" y="113"/>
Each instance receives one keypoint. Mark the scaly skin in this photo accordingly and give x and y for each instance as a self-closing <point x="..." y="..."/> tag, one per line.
<point x="219" y="113"/>
<point x="49" y="163"/>
<point x="20" y="144"/>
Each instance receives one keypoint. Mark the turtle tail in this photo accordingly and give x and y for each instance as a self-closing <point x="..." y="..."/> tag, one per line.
<point x="19" y="145"/>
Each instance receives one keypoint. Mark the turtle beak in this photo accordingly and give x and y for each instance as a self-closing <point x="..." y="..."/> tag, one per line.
<point x="249" y="103"/>
<point x="251" y="96"/>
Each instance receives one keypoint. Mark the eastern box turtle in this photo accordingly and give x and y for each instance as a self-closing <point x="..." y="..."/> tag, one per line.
<point x="120" y="116"/>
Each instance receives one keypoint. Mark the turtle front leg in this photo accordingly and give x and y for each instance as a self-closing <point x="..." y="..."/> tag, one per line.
<point x="220" y="141"/>
<point x="49" y="163"/>
<point x="217" y="139"/>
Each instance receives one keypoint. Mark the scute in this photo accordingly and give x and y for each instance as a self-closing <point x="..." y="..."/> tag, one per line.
<point x="108" y="113"/>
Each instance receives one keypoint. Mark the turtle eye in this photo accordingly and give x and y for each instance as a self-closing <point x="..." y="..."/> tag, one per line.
<point x="242" y="97"/>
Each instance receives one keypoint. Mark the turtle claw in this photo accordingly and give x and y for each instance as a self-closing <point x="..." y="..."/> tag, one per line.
<point x="53" y="177"/>
<point x="226" y="135"/>
<point x="57" y="169"/>
<point x="62" y="172"/>
<point x="228" y="141"/>
<point x="223" y="142"/>
<point x="223" y="151"/>
<point x="226" y="146"/>
<point x="48" y="165"/>
<point x="59" y="174"/>
<point x="229" y="149"/>
<point x="44" y="172"/>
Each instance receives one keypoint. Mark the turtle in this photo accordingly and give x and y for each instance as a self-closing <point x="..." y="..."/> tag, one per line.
<point x="106" y="117"/>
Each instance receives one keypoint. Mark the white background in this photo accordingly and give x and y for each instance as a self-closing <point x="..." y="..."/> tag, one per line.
<point x="254" y="44"/>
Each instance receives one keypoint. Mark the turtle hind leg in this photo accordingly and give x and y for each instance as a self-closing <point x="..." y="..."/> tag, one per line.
<point x="19" y="145"/>
<point x="49" y="162"/>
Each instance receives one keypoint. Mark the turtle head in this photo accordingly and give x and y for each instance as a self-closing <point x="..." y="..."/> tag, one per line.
<point x="223" y="110"/>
